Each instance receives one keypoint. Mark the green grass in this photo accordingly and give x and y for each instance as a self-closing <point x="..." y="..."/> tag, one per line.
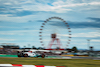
<point x="52" y="62"/>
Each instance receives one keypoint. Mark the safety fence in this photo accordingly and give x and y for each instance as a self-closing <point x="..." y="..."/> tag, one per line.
<point x="4" y="55"/>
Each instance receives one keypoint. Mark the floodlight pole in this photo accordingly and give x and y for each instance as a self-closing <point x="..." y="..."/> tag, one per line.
<point x="88" y="46"/>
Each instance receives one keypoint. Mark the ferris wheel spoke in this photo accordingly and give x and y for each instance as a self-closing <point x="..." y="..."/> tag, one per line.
<point x="50" y="27"/>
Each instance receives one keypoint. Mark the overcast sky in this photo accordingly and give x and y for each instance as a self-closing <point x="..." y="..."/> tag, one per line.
<point x="20" y="21"/>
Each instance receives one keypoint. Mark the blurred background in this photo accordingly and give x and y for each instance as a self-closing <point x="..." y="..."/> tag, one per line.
<point x="21" y="21"/>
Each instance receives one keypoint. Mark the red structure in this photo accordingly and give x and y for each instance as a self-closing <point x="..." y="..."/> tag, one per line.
<point x="54" y="38"/>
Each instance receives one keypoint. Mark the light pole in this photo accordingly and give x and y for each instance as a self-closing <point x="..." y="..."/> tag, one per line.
<point x="88" y="43"/>
<point x="88" y="46"/>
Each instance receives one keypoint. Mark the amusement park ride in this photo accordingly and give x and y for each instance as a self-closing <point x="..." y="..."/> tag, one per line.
<point x="53" y="35"/>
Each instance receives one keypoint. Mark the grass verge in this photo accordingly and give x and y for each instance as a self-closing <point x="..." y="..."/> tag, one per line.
<point x="51" y="62"/>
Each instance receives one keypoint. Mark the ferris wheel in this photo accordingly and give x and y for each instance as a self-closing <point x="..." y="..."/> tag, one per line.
<point x="55" y="33"/>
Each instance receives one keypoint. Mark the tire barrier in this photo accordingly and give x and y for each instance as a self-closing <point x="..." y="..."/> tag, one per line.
<point x="19" y="65"/>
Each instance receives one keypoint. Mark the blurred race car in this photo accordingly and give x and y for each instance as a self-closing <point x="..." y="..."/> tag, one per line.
<point x="31" y="53"/>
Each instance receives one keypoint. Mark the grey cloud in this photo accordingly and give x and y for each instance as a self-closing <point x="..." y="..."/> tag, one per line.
<point x="85" y="25"/>
<point x="95" y="19"/>
<point x="93" y="24"/>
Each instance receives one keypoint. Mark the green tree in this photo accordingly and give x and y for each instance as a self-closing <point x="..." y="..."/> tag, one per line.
<point x="74" y="49"/>
<point x="40" y="48"/>
<point x="33" y="47"/>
